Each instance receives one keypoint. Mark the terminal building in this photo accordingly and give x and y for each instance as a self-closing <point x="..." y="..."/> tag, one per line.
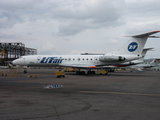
<point x="12" y="51"/>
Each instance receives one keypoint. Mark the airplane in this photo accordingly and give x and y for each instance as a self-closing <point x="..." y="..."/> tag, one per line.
<point x="140" y="67"/>
<point x="131" y="50"/>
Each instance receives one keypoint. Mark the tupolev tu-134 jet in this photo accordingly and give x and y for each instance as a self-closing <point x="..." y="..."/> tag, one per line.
<point x="131" y="50"/>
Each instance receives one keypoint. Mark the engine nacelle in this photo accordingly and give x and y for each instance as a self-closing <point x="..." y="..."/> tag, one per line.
<point x="111" y="58"/>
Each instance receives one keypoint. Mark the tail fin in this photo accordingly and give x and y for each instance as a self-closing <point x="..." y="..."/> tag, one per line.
<point x="135" y="45"/>
<point x="154" y="63"/>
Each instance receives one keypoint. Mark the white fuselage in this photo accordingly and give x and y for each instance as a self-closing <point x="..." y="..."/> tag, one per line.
<point x="82" y="61"/>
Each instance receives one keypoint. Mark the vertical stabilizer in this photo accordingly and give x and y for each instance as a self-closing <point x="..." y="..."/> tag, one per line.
<point x="154" y="63"/>
<point x="135" y="45"/>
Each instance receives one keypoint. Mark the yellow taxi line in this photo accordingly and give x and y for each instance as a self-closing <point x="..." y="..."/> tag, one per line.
<point x="120" y="93"/>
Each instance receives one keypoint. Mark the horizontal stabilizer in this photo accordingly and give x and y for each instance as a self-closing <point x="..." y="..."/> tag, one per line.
<point x="154" y="36"/>
<point x="156" y="58"/>
<point x="146" y="35"/>
<point x="148" y="48"/>
<point x="145" y="51"/>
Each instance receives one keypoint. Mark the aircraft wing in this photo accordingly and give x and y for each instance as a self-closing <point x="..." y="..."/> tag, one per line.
<point x="137" y="69"/>
<point x="78" y="66"/>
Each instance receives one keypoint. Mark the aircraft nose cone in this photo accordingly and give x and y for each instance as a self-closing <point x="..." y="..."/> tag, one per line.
<point x="15" y="62"/>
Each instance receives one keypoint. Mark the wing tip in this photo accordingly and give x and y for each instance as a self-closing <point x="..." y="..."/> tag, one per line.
<point x="156" y="31"/>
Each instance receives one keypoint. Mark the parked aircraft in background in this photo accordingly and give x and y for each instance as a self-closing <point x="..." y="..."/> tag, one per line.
<point x="132" y="50"/>
<point x="141" y="67"/>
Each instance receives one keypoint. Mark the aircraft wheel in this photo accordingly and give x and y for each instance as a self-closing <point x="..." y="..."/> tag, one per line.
<point x="25" y="71"/>
<point x="89" y="72"/>
<point x="82" y="73"/>
<point x="93" y="72"/>
<point x="78" y="72"/>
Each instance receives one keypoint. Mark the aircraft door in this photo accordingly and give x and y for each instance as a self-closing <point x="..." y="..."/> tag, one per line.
<point x="38" y="59"/>
<point x="24" y="60"/>
<point x="96" y="60"/>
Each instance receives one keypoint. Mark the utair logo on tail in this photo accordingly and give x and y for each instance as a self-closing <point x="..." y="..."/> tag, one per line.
<point x="132" y="47"/>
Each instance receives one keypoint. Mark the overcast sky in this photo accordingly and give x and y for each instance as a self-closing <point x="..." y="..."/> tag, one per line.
<point x="78" y="26"/>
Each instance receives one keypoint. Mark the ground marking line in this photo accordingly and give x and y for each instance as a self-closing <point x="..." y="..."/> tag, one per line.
<point x="119" y="93"/>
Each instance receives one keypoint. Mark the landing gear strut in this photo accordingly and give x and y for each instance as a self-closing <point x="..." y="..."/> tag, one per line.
<point x="25" y="71"/>
<point x="80" y="73"/>
<point x="91" y="72"/>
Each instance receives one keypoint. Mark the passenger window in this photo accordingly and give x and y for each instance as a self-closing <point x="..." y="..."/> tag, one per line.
<point x="69" y="59"/>
<point x="78" y="59"/>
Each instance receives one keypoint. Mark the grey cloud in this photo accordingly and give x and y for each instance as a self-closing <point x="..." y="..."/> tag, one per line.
<point x="102" y="9"/>
<point x="75" y="19"/>
<point x="142" y="28"/>
<point x="7" y="20"/>
<point x="17" y="5"/>
<point x="72" y="17"/>
<point x="145" y="8"/>
<point x="66" y="39"/>
<point x="16" y="11"/>
<point x="6" y="36"/>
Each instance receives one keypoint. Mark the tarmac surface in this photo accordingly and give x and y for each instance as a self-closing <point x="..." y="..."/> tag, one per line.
<point x="117" y="96"/>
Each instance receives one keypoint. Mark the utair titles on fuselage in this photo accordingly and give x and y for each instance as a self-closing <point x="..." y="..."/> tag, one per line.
<point x="132" y="50"/>
<point x="51" y="60"/>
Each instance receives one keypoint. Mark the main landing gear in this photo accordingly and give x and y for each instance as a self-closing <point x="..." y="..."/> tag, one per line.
<point x="91" y="72"/>
<point x="83" y="72"/>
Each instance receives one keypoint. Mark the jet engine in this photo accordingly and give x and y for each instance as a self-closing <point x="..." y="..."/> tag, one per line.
<point x="111" y="58"/>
